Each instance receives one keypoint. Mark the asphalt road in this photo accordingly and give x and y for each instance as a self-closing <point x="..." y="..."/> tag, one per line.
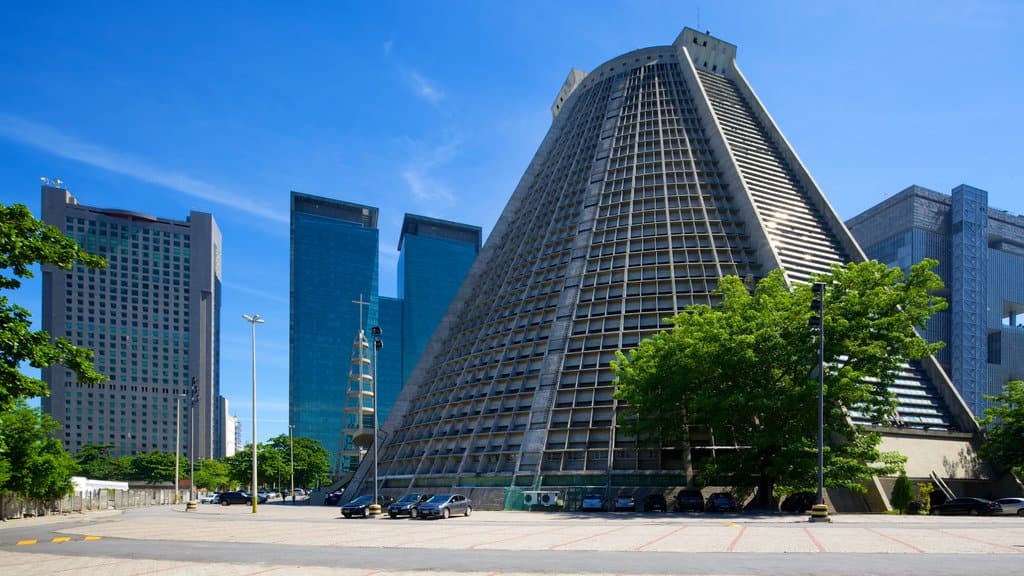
<point x="311" y="540"/>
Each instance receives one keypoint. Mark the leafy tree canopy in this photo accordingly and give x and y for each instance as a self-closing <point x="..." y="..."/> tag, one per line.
<point x="311" y="460"/>
<point x="213" y="475"/>
<point x="1004" y="423"/>
<point x="38" y="465"/>
<point x="741" y="373"/>
<point x="25" y="242"/>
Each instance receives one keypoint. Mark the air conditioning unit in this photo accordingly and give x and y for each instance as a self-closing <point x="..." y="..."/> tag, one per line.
<point x="549" y="498"/>
<point x="531" y="498"/>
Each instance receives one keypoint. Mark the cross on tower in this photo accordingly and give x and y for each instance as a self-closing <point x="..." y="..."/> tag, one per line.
<point x="361" y="303"/>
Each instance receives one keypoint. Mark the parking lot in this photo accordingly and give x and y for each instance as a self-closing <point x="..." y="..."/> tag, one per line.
<point x="284" y="537"/>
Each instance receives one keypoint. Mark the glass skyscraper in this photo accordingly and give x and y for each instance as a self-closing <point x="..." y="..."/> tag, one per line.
<point x="334" y="253"/>
<point x="981" y="260"/>
<point x="152" y="320"/>
<point x="335" y="264"/>
<point x="434" y="258"/>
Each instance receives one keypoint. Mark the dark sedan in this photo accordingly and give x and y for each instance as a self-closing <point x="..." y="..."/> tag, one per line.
<point x="445" y="505"/>
<point x="720" y="502"/>
<point x="968" y="506"/>
<point x="407" y="505"/>
<point x="237" y="497"/>
<point x="689" y="501"/>
<point x="358" y="507"/>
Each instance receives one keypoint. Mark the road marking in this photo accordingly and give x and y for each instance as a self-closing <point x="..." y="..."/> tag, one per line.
<point x="26" y="542"/>
<point x="658" y="539"/>
<point x="728" y="524"/>
<point x="517" y="537"/>
<point x="553" y="546"/>
<point x="897" y="540"/>
<point x="732" y="545"/>
<point x="88" y="538"/>
<point x="814" y="541"/>
<point x="1010" y="548"/>
<point x="59" y="539"/>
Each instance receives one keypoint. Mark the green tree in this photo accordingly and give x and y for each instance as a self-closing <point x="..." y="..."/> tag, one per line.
<point x="154" y="467"/>
<point x="213" y="475"/>
<point x="1004" y="424"/>
<point x="94" y="461"/>
<point x="902" y="493"/>
<point x="25" y="242"/>
<point x="312" y="467"/>
<point x="741" y="373"/>
<point x="39" y="466"/>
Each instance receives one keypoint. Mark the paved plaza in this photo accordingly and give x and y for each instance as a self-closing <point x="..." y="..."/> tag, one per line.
<point x="282" y="539"/>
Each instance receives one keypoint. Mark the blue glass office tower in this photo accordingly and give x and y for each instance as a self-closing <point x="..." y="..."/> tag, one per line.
<point x="334" y="253"/>
<point x="981" y="260"/>
<point x="435" y="256"/>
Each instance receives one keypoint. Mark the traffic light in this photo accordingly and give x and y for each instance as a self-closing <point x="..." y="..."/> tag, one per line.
<point x="817" y="305"/>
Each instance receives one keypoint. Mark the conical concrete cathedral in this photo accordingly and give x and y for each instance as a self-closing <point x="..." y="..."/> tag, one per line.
<point x="661" y="173"/>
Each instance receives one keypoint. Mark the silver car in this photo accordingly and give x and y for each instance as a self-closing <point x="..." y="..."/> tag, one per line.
<point x="1012" y="506"/>
<point x="445" y="505"/>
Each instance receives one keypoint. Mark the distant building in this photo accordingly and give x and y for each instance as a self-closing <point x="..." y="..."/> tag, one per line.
<point x="981" y="260"/>
<point x="152" y="319"/>
<point x="229" y="424"/>
<point x="335" y="280"/>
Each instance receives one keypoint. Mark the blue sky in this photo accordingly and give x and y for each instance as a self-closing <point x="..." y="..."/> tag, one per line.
<point x="436" y="108"/>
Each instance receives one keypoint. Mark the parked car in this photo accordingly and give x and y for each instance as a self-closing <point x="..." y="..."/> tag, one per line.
<point x="209" y="498"/>
<point x="445" y="505"/>
<point x="407" y="505"/>
<point x="333" y="498"/>
<point x="655" y="503"/>
<point x="236" y="497"/>
<point x="358" y="507"/>
<point x="720" y="502"/>
<point x="624" y="502"/>
<point x="970" y="506"/>
<point x="799" y="502"/>
<point x="1012" y="506"/>
<point x="592" y="503"/>
<point x="689" y="501"/>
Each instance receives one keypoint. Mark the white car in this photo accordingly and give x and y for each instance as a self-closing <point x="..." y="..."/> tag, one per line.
<point x="1012" y="506"/>
<point x="208" y="499"/>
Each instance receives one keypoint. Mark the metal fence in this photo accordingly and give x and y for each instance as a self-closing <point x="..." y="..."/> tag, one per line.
<point x="11" y="506"/>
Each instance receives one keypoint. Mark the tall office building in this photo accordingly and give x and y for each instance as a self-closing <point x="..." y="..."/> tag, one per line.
<point x="661" y="173"/>
<point x="981" y="260"/>
<point x="152" y="319"/>
<point x="434" y="258"/>
<point x="334" y="247"/>
<point x="334" y="266"/>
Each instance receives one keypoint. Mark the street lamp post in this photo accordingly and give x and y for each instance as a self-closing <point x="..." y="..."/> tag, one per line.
<point x="377" y="345"/>
<point x="819" y="512"/>
<point x="291" y="456"/>
<point x="177" y="447"/>
<point x="253" y="320"/>
<point x="193" y="400"/>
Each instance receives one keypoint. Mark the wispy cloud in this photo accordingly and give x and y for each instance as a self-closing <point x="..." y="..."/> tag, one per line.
<point x="55" y="142"/>
<point x="423" y="87"/>
<point x="419" y="172"/>
<point x="256" y="292"/>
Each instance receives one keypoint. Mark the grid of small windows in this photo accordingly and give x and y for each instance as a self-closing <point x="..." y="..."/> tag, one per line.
<point x="134" y="315"/>
<point x="663" y="234"/>
<point x="624" y="223"/>
<point x="476" y="401"/>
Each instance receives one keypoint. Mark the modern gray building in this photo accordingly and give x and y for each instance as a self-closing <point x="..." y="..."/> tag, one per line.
<point x="981" y="260"/>
<point x="661" y="173"/>
<point x="152" y="319"/>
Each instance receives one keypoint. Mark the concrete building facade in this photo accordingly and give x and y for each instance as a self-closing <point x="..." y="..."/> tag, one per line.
<point x="661" y="173"/>
<point x="980" y="251"/>
<point x="152" y="318"/>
